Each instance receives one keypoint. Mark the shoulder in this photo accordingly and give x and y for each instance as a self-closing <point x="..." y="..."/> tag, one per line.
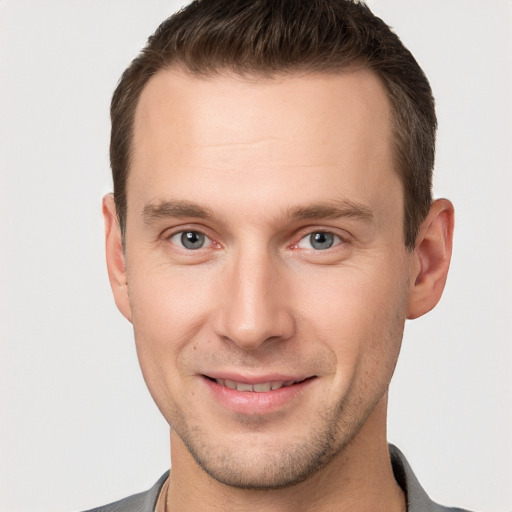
<point x="417" y="498"/>
<point x="141" y="502"/>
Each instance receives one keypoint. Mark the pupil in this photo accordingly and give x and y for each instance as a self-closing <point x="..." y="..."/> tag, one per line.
<point x="321" y="240"/>
<point x="192" y="240"/>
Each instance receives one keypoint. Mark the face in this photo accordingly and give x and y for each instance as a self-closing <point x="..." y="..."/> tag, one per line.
<point x="267" y="278"/>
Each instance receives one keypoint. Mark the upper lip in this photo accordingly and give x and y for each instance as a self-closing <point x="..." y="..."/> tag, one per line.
<point x="257" y="379"/>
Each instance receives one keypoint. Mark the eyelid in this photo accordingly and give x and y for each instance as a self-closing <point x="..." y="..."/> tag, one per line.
<point x="337" y="240"/>
<point x="170" y="233"/>
<point x="175" y="239"/>
<point x="342" y="235"/>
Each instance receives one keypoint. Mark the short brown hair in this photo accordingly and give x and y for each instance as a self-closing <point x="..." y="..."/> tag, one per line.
<point x="266" y="37"/>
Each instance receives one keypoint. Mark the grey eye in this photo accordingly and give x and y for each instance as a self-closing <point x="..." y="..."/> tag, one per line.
<point x="319" y="240"/>
<point x="191" y="240"/>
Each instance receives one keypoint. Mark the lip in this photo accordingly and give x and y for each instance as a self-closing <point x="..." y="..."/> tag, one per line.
<point x="252" y="402"/>
<point x="256" y="379"/>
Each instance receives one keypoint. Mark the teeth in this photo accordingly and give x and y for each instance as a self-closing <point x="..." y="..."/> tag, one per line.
<point x="244" y="387"/>
<point x="229" y="383"/>
<point x="257" y="388"/>
<point x="262" y="388"/>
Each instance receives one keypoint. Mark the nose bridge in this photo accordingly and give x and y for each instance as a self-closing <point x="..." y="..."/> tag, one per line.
<point x="254" y="309"/>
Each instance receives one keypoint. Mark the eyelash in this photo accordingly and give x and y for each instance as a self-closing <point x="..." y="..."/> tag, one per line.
<point x="180" y="234"/>
<point x="336" y="240"/>
<point x="176" y="238"/>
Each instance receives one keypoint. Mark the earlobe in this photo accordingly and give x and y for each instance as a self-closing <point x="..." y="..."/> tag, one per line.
<point x="431" y="259"/>
<point x="116" y="263"/>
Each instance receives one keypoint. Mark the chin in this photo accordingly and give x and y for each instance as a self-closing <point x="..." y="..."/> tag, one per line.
<point x="265" y="465"/>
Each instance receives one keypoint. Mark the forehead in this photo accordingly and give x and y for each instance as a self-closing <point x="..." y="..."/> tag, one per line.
<point x="224" y="107"/>
<point x="290" y="131"/>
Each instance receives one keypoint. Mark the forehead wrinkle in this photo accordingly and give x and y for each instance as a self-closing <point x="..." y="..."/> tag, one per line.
<point x="240" y="143"/>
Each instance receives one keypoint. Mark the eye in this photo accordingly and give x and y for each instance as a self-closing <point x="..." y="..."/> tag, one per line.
<point x="191" y="240"/>
<point x="319" y="241"/>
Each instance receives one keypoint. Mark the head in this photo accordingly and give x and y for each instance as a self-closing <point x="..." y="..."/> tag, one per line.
<point x="263" y="38"/>
<point x="272" y="229"/>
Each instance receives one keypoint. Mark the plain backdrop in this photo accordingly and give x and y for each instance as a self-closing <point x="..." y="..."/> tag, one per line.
<point x="78" y="427"/>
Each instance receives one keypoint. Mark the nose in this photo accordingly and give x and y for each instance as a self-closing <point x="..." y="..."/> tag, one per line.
<point x="254" y="307"/>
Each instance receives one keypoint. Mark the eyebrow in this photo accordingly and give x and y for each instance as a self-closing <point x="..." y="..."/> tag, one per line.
<point x="167" y="209"/>
<point x="330" y="210"/>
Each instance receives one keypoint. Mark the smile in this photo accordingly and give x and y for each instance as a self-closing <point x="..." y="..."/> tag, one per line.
<point x="262" y="387"/>
<point x="257" y="396"/>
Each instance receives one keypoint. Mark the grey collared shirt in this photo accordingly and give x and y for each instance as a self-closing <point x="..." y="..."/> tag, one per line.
<point x="417" y="498"/>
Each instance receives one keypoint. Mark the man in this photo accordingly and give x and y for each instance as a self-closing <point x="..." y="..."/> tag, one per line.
<point x="271" y="229"/>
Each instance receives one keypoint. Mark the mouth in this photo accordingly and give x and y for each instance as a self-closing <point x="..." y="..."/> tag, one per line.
<point x="258" y="396"/>
<point x="261" y="387"/>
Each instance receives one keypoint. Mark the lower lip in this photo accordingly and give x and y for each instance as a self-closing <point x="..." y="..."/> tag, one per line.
<point x="253" y="403"/>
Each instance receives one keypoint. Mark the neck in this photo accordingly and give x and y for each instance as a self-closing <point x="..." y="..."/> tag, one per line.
<point x="359" y="478"/>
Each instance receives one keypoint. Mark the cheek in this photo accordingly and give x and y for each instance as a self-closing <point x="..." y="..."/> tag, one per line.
<point x="169" y="304"/>
<point x="168" y="311"/>
<point x="359" y="316"/>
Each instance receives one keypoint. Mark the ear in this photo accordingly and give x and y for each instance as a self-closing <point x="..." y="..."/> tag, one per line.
<point x="431" y="259"/>
<point x="116" y="262"/>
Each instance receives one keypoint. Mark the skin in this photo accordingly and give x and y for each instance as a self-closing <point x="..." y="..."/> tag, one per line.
<point x="258" y="165"/>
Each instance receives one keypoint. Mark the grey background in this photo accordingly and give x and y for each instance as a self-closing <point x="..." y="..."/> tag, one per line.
<point x="78" y="427"/>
